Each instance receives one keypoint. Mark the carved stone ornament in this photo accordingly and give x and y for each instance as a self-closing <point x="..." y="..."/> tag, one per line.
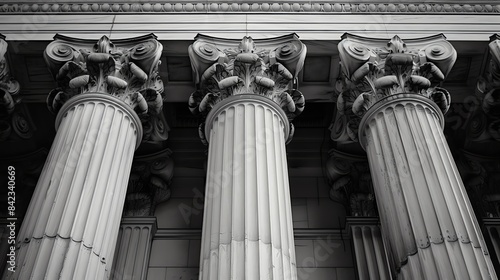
<point x="266" y="67"/>
<point x="149" y="183"/>
<point x="487" y="122"/>
<point x="481" y="176"/>
<point x="373" y="69"/>
<point x="13" y="118"/>
<point x="351" y="183"/>
<point x="175" y="6"/>
<point x="126" y="69"/>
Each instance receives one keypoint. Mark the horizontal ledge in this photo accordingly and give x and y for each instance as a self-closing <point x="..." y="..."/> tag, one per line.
<point x="474" y="27"/>
<point x="491" y="221"/>
<point x="136" y="220"/>
<point x="190" y="234"/>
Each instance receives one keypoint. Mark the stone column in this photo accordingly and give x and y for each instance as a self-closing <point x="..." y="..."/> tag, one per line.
<point x="249" y="97"/>
<point x="106" y="91"/>
<point x="390" y="95"/>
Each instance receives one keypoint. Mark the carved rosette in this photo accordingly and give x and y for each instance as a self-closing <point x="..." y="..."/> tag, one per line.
<point x="373" y="69"/>
<point x="13" y="118"/>
<point x="488" y="93"/>
<point x="351" y="183"/>
<point x="266" y="67"/>
<point x="149" y="183"/>
<point x="126" y="69"/>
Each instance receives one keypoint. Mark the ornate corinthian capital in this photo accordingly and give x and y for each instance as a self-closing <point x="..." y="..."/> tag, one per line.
<point x="373" y="69"/>
<point x="266" y="67"/>
<point x="126" y="69"/>
<point x="149" y="183"/>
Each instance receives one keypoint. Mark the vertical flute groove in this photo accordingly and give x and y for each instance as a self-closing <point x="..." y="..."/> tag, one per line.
<point x="371" y="259"/>
<point x="58" y="236"/>
<point x="404" y="141"/>
<point x="134" y="244"/>
<point x="248" y="151"/>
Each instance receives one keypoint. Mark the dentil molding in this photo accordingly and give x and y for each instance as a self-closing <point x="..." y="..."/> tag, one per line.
<point x="248" y="7"/>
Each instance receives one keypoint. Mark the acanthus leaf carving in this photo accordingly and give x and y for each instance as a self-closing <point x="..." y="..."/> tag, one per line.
<point x="267" y="67"/>
<point x="372" y="71"/>
<point x="125" y="69"/>
<point x="351" y="184"/>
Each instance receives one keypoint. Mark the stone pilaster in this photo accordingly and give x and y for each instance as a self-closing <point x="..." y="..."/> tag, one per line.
<point x="106" y="91"/>
<point x="371" y="256"/>
<point x="492" y="232"/>
<point x="395" y="109"/>
<point x="246" y="96"/>
<point x="133" y="248"/>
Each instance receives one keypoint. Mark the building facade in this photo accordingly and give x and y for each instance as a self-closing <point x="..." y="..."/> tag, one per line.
<point x="238" y="140"/>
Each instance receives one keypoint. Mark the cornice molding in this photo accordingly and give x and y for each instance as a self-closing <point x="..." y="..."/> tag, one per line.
<point x="250" y="7"/>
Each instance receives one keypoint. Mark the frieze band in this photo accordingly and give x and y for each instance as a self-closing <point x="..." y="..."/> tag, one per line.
<point x="228" y="7"/>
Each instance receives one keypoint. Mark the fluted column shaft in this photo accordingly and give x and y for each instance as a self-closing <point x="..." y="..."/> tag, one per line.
<point x="71" y="226"/>
<point x="427" y="219"/>
<point x="247" y="227"/>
